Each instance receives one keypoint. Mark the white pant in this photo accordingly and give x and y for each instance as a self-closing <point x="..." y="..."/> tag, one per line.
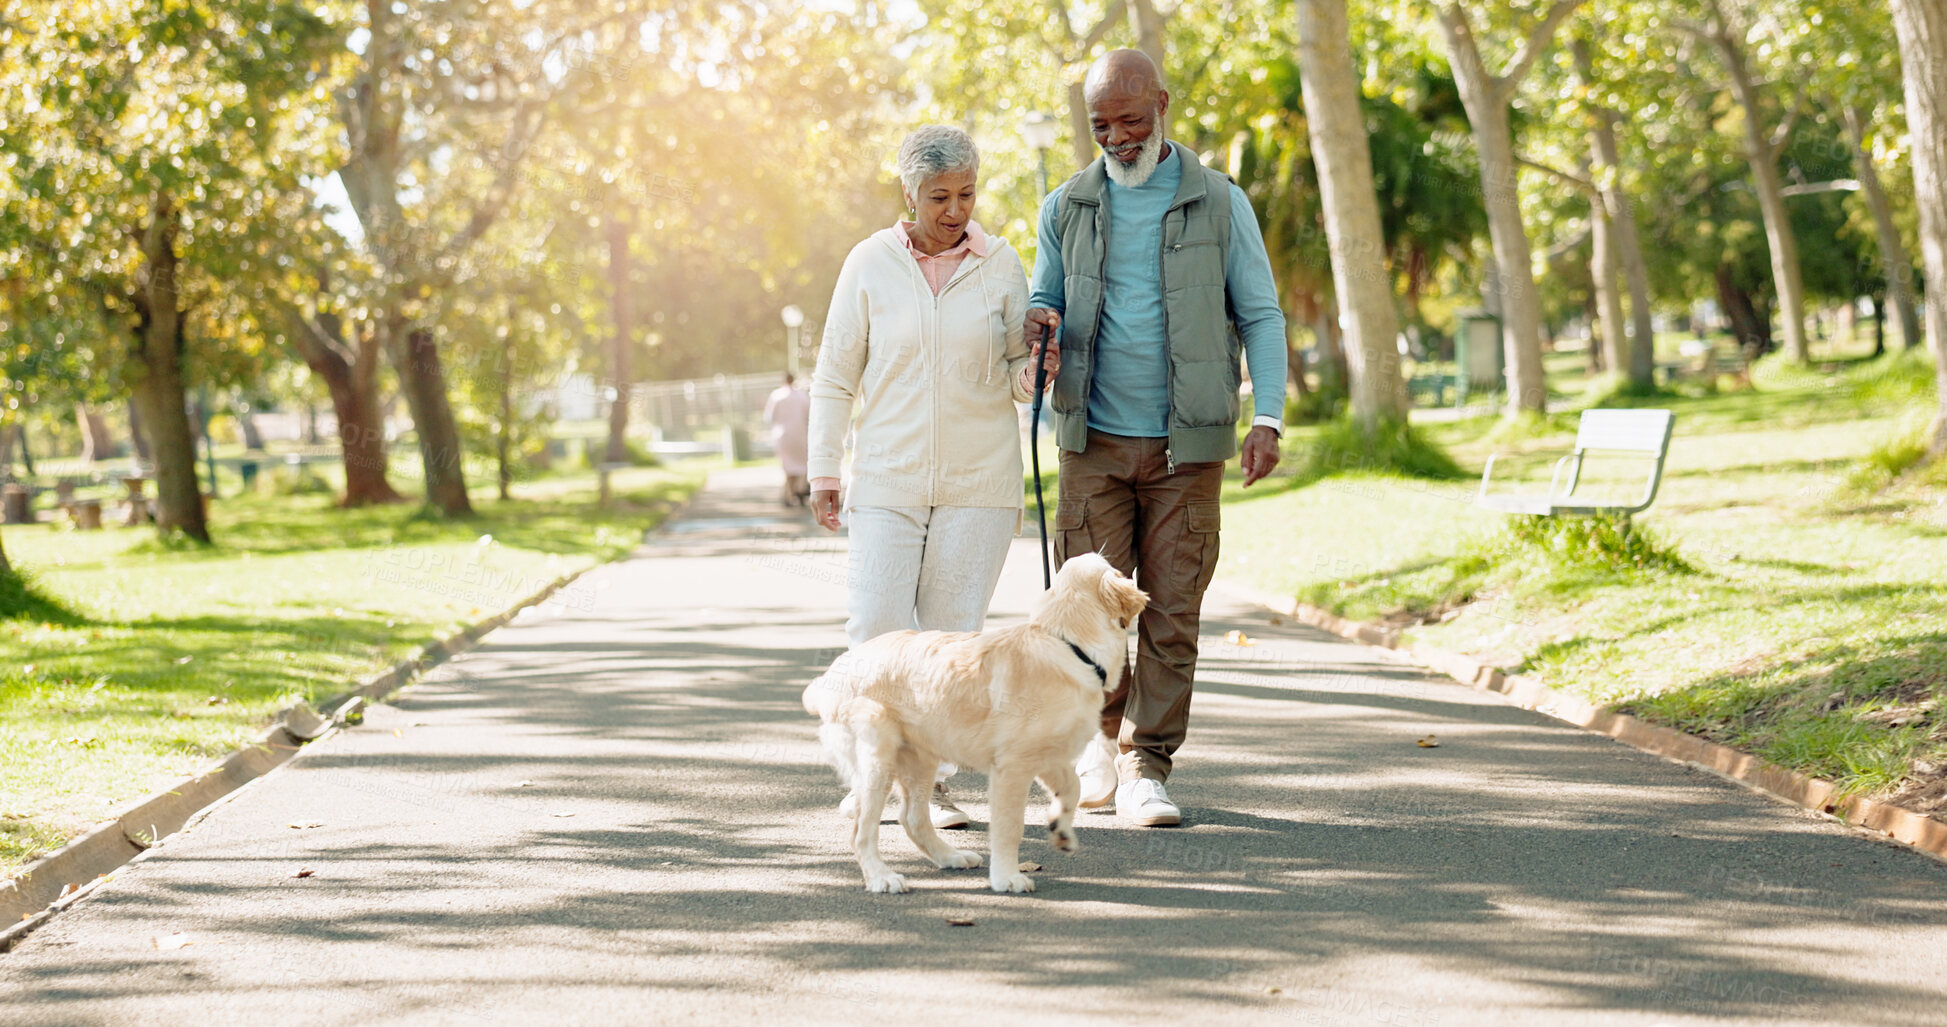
<point x="929" y="568"/>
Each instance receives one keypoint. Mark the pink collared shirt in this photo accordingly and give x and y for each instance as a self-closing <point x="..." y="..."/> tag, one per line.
<point x="939" y="267"/>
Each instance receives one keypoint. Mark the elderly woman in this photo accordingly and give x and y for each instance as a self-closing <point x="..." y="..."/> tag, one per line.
<point x="924" y="335"/>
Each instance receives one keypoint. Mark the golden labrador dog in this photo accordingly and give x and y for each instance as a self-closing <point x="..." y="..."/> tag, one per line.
<point x="1019" y="703"/>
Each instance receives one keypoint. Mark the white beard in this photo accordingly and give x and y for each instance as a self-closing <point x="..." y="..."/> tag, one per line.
<point x="1132" y="176"/>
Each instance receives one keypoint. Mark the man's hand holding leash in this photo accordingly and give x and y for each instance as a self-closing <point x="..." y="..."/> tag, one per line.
<point x="1044" y="333"/>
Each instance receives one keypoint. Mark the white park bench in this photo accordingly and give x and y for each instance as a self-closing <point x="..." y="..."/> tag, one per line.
<point x="1643" y="434"/>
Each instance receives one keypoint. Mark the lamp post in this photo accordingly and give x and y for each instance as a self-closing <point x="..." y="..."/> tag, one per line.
<point x="1038" y="129"/>
<point x="793" y="320"/>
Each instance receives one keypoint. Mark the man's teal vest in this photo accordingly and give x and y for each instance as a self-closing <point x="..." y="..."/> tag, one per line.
<point x="1204" y="347"/>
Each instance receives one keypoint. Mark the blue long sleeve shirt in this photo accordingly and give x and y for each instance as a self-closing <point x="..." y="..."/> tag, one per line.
<point x="1129" y="394"/>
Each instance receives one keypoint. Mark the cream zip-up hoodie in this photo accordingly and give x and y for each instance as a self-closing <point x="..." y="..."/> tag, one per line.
<point x="934" y="379"/>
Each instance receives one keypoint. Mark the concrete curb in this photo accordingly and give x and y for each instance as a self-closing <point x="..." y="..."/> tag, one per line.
<point x="54" y="882"/>
<point x="1921" y="832"/>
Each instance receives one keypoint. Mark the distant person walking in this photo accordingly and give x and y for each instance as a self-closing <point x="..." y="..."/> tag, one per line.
<point x="788" y="412"/>
<point x="924" y="335"/>
<point x="1151" y="270"/>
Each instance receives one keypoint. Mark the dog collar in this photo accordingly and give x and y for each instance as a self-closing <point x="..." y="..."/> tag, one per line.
<point x="1101" y="673"/>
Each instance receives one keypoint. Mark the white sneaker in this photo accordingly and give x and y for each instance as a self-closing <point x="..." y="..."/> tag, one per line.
<point x="1097" y="770"/>
<point x="1144" y="803"/>
<point x="946" y="816"/>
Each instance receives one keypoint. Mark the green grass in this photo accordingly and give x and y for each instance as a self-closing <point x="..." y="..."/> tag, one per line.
<point x="126" y="663"/>
<point x="1784" y="594"/>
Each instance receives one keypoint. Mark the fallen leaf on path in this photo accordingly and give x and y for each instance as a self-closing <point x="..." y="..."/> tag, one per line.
<point x="306" y="824"/>
<point x="1027" y="867"/>
<point x="1274" y="990"/>
<point x="564" y="814"/>
<point x="69" y="889"/>
<point x="1429" y="742"/>
<point x="172" y="941"/>
<point x="396" y="734"/>
<point x="306" y="872"/>
<point x="1239" y="638"/>
<point x="954" y="921"/>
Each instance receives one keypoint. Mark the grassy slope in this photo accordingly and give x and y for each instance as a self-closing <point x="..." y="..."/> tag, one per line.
<point x="154" y="660"/>
<point x="1811" y="630"/>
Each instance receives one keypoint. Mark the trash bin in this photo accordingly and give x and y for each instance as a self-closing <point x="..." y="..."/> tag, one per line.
<point x="248" y="469"/>
<point x="736" y="443"/>
<point x="1477" y="355"/>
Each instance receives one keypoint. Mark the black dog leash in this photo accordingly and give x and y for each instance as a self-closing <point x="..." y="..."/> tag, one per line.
<point x="1034" y="455"/>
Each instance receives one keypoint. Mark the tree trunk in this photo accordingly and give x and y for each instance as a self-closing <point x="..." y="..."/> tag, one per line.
<point x="137" y="439"/>
<point x="26" y="452"/>
<point x="421" y="378"/>
<point x="1779" y="237"/>
<point x="1332" y="372"/>
<point x="1879" y="323"/>
<point x="622" y="304"/>
<point x="1295" y="369"/>
<point x="1922" y="29"/>
<point x="159" y="390"/>
<point x="1079" y="135"/>
<point x="350" y="370"/>
<point x="1896" y="264"/>
<point x="1148" y="27"/>
<point x="1752" y="330"/>
<point x="1606" y="160"/>
<point x="1636" y="272"/>
<point x="1343" y="156"/>
<point x="96" y="443"/>
<point x="1513" y="283"/>
<point x="253" y="440"/>
<point x="1604" y="259"/>
<point x="503" y="439"/>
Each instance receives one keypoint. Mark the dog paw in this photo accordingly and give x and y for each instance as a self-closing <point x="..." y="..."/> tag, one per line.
<point x="887" y="883"/>
<point x="1016" y="883"/>
<point x="1064" y="840"/>
<point x="960" y="859"/>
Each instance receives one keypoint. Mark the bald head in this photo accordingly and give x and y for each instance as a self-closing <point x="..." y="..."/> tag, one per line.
<point x="1127" y="73"/>
<point x="1126" y="106"/>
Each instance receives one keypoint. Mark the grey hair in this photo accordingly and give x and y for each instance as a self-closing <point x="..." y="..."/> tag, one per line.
<point x="935" y="150"/>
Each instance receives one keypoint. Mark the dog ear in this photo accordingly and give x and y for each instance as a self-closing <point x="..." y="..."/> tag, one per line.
<point x="1121" y="596"/>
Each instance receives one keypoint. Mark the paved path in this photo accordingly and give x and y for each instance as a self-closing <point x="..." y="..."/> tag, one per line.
<point x="617" y="814"/>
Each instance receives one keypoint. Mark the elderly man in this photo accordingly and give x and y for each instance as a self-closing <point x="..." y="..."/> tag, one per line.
<point x="1150" y="266"/>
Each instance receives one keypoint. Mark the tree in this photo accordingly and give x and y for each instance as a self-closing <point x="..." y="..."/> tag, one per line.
<point x="1860" y="76"/>
<point x="1636" y="363"/>
<point x="1727" y="34"/>
<point x="1487" y="95"/>
<point x="1895" y="264"/>
<point x="1344" y="163"/>
<point x="347" y="356"/>
<point x="1921" y="27"/>
<point x="151" y="147"/>
<point x="444" y="104"/>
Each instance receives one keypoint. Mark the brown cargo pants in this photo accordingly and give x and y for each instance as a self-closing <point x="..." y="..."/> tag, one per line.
<point x="1119" y="499"/>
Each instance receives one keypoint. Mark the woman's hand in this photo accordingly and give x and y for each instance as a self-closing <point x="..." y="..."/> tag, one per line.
<point x="824" y="508"/>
